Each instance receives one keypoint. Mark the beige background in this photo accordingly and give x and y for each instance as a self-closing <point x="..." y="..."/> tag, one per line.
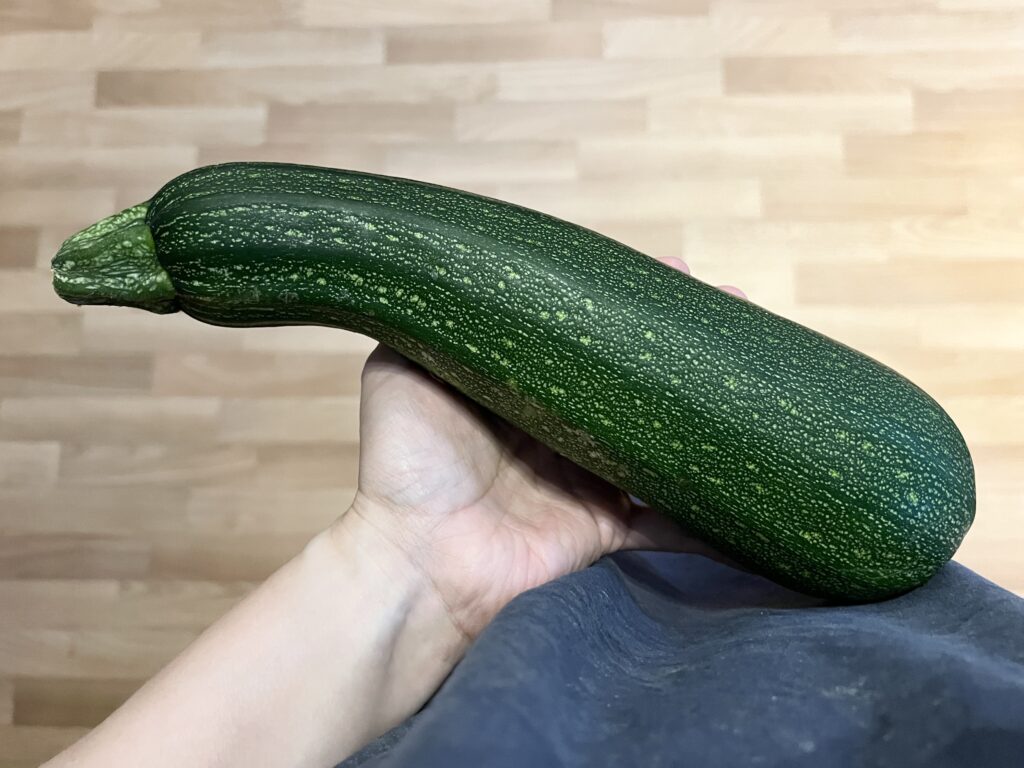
<point x="857" y="165"/>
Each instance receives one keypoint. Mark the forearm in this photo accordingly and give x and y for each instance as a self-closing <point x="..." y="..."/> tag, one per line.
<point x="339" y="645"/>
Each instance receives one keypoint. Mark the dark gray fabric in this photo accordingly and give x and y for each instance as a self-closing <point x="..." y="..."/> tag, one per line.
<point x="650" y="659"/>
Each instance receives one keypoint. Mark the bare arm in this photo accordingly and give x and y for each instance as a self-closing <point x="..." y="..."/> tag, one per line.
<point x="339" y="645"/>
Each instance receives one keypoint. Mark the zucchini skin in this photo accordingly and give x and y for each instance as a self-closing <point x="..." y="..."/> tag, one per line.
<point x="796" y="455"/>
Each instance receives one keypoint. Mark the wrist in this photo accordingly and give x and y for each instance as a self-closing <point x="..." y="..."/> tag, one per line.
<point x="413" y="632"/>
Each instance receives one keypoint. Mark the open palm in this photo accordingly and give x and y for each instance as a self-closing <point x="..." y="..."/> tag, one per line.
<point x="482" y="508"/>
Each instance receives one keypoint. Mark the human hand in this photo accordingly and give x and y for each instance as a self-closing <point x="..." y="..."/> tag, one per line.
<point x="478" y="507"/>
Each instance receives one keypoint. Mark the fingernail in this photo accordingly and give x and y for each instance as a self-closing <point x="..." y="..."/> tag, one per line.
<point x="733" y="290"/>
<point x="676" y="263"/>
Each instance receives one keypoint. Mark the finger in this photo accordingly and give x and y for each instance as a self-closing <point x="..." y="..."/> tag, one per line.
<point x="383" y="355"/>
<point x="651" y="530"/>
<point x="733" y="290"/>
<point x="654" y="531"/>
<point x="384" y="362"/>
<point x="676" y="263"/>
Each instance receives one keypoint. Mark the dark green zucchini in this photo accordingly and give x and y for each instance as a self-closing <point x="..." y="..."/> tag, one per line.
<point x="796" y="455"/>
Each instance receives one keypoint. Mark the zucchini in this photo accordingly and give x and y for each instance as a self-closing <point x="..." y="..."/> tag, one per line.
<point x="793" y="454"/>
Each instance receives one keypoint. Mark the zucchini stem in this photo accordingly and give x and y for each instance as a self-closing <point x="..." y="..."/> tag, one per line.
<point x="114" y="262"/>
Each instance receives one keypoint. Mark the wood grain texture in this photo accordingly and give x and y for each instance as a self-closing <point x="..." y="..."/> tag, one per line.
<point x="856" y="165"/>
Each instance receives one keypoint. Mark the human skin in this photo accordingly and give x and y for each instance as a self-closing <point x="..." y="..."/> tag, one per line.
<point x="456" y="513"/>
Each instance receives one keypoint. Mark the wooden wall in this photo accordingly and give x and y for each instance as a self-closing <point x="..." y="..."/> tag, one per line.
<point x="857" y="165"/>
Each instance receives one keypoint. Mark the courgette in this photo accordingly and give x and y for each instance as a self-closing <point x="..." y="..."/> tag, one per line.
<point x="794" y="454"/>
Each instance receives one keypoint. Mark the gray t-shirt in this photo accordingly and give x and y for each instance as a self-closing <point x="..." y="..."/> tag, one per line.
<point x="654" y="659"/>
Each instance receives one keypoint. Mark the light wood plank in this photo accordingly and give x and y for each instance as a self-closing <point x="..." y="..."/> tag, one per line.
<point x="88" y="653"/>
<point x="23" y="291"/>
<point x="1000" y="326"/>
<point x="639" y="200"/>
<point x="886" y="31"/>
<point x="335" y="13"/>
<point x="236" y="556"/>
<point x="843" y="197"/>
<point x="325" y="341"/>
<point x="69" y="703"/>
<point x="765" y="31"/>
<point x="257" y="374"/>
<point x="617" y="9"/>
<point x="25" y="15"/>
<point x="268" y="511"/>
<point x="906" y="282"/>
<point x="49" y="207"/>
<point x="19" y="90"/>
<point x="40" y="166"/>
<point x="187" y="15"/>
<point x="147" y="127"/>
<point x="291" y="47"/>
<point x="799" y="7"/>
<point x="494" y="42"/>
<point x="111" y="604"/>
<point x="120" y="419"/>
<point x="380" y="122"/>
<point x="999" y="196"/>
<point x="74" y="51"/>
<point x="461" y="163"/>
<point x="975" y="5"/>
<point x="28" y="463"/>
<point x="939" y="153"/>
<point x="569" y="119"/>
<point x="10" y="126"/>
<point x="881" y="73"/>
<point x="343" y="85"/>
<point x="38" y="374"/>
<point x="283" y="420"/>
<point x="122" y="512"/>
<point x="988" y="419"/>
<point x="983" y="374"/>
<point x="969" y="236"/>
<point x="357" y="154"/>
<point x="661" y="38"/>
<point x="153" y="464"/>
<point x="109" y="511"/>
<point x="992" y="109"/>
<point x="782" y="114"/>
<point x="35" y="556"/>
<point x="18" y="246"/>
<point x="741" y="244"/>
<point x="619" y="79"/>
<point x="6" y="702"/>
<point x="120" y="331"/>
<point x="709" y="157"/>
<point x="721" y="34"/>
<point x="238" y="466"/>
